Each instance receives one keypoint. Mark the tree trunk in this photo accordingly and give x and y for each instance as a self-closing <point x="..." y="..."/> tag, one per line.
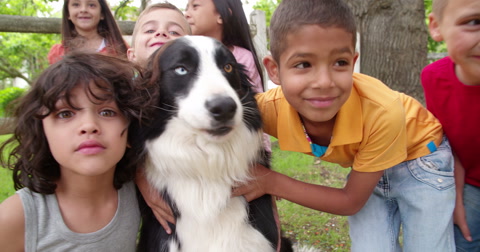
<point x="393" y="42"/>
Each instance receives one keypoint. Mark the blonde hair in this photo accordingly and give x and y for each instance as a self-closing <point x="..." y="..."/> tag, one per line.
<point x="156" y="6"/>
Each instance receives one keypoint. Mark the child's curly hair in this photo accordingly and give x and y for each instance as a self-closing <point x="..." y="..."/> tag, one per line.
<point x="31" y="159"/>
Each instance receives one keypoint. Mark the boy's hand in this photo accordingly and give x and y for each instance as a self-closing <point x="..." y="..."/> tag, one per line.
<point x="154" y="200"/>
<point x="257" y="186"/>
<point x="460" y="220"/>
<point x="459" y="217"/>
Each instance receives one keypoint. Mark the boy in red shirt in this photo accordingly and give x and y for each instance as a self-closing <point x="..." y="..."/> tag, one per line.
<point x="452" y="88"/>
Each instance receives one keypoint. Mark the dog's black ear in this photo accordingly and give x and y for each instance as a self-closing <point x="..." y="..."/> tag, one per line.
<point x="244" y="79"/>
<point x="153" y="60"/>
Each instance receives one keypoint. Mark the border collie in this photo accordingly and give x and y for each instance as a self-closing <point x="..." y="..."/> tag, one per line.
<point x="204" y="136"/>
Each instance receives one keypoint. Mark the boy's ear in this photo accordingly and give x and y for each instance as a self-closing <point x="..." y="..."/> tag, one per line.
<point x="131" y="54"/>
<point x="272" y="69"/>
<point x="434" y="28"/>
<point x="355" y="58"/>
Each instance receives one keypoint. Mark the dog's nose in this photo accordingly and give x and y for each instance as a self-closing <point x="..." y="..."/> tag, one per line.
<point x="222" y="108"/>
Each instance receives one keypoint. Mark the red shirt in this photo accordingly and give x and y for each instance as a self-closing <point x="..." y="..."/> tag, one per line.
<point x="457" y="106"/>
<point x="57" y="51"/>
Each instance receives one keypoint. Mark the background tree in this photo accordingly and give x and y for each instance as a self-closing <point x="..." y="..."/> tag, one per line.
<point x="393" y="42"/>
<point x="24" y="55"/>
<point x="268" y="7"/>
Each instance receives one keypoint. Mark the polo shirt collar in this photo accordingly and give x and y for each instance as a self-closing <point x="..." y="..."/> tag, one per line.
<point x="348" y="127"/>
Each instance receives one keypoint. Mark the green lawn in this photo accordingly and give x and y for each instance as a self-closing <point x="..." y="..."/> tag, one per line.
<point x="6" y="183"/>
<point x="307" y="227"/>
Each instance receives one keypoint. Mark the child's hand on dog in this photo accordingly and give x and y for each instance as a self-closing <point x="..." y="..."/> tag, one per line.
<point x="154" y="200"/>
<point x="257" y="186"/>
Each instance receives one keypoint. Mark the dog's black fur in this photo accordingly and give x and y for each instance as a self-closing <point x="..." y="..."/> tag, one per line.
<point x="175" y="70"/>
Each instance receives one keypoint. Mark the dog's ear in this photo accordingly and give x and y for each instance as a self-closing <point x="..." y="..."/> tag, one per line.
<point x="154" y="70"/>
<point x="153" y="65"/>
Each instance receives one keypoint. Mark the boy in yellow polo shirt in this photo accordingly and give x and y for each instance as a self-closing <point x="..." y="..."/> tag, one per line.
<point x="402" y="167"/>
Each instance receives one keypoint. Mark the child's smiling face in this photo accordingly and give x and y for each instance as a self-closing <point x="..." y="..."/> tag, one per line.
<point x="85" y="14"/>
<point x="156" y="28"/>
<point x="315" y="71"/>
<point x="459" y="27"/>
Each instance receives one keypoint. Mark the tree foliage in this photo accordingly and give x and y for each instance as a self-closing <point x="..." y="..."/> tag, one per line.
<point x="7" y="97"/>
<point x="125" y="11"/>
<point x="267" y="6"/>
<point x="24" y="55"/>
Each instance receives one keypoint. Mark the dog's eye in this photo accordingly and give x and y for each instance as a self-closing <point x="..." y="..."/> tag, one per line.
<point x="228" y="68"/>
<point x="181" y="70"/>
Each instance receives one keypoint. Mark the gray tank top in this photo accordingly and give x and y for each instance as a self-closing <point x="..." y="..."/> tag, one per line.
<point x="46" y="231"/>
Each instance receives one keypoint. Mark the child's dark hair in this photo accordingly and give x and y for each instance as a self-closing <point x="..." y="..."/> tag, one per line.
<point x="31" y="159"/>
<point x="107" y="28"/>
<point x="291" y="14"/>
<point x="236" y="30"/>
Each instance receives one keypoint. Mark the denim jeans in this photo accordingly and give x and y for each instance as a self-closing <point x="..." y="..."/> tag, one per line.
<point x="417" y="195"/>
<point x="471" y="200"/>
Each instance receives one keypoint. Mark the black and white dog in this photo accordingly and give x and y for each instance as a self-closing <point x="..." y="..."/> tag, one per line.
<point x="205" y="135"/>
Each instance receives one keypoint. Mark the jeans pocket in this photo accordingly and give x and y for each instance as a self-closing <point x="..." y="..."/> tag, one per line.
<point x="435" y="169"/>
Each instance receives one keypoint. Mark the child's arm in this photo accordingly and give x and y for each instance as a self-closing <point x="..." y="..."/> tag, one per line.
<point x="459" y="217"/>
<point x="154" y="200"/>
<point x="12" y="224"/>
<point x="342" y="201"/>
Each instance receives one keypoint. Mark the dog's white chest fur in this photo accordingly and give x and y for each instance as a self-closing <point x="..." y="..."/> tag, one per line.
<point x="199" y="175"/>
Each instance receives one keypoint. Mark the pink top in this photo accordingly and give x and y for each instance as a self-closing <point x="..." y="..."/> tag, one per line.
<point x="245" y="57"/>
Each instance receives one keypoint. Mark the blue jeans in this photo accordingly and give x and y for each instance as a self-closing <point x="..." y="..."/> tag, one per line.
<point x="471" y="200"/>
<point x="419" y="196"/>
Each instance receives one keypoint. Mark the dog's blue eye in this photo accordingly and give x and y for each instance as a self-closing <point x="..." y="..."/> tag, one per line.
<point x="181" y="70"/>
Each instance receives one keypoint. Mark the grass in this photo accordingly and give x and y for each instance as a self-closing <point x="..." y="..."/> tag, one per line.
<point x="304" y="226"/>
<point x="6" y="183"/>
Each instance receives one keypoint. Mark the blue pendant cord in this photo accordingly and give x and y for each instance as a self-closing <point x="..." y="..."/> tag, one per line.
<point x="317" y="150"/>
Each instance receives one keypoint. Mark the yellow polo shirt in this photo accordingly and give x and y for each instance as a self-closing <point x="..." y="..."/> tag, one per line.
<point x="375" y="129"/>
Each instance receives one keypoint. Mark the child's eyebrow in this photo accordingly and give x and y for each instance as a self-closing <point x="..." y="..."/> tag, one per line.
<point x="469" y="16"/>
<point x="342" y="50"/>
<point x="172" y="23"/>
<point x="169" y="24"/>
<point x="148" y="23"/>
<point x="301" y="55"/>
